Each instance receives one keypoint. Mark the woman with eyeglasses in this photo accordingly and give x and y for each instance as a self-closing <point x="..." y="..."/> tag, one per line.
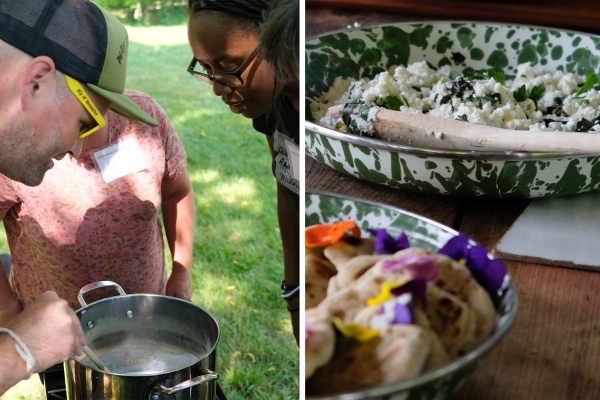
<point x="224" y="36"/>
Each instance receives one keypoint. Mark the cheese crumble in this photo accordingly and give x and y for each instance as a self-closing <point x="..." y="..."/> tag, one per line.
<point x="533" y="100"/>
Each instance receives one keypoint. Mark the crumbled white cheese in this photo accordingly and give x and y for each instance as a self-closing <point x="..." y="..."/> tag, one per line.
<point x="419" y="89"/>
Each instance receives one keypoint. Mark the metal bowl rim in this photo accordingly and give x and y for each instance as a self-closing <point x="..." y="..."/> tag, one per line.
<point x="440" y="153"/>
<point x="457" y="364"/>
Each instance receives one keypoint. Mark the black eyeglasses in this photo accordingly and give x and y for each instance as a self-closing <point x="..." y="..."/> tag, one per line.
<point x="232" y="79"/>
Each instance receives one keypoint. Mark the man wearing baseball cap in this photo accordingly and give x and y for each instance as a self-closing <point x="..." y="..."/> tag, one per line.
<point x="62" y="66"/>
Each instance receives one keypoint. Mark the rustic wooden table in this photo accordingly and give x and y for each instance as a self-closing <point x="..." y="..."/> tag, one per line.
<point x="553" y="349"/>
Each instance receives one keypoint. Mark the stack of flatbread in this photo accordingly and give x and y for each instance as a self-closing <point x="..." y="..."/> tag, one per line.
<point x="453" y="317"/>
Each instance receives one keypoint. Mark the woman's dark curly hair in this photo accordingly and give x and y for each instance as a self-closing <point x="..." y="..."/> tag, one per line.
<point x="280" y="39"/>
<point x="251" y="10"/>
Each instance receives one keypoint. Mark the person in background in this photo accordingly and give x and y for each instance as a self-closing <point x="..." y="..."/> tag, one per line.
<point x="224" y="38"/>
<point x="43" y="120"/>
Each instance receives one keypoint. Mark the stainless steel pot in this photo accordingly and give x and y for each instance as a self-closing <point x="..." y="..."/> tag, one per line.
<point x="156" y="348"/>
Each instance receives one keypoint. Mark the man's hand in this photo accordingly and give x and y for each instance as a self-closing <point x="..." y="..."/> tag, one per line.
<point x="50" y="329"/>
<point x="180" y="283"/>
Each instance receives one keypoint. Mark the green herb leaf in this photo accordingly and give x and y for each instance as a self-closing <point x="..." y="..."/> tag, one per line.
<point x="520" y="94"/>
<point x="392" y="103"/>
<point x="446" y="99"/>
<point x="405" y="101"/>
<point x="584" y="125"/>
<point x="363" y="111"/>
<point x="352" y="127"/>
<point x="497" y="75"/>
<point x="579" y="101"/>
<point x="591" y="80"/>
<point x="493" y="98"/>
<point x="475" y="74"/>
<point x="453" y="75"/>
<point x="537" y="92"/>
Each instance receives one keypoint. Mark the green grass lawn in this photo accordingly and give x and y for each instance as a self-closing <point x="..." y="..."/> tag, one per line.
<point x="238" y="259"/>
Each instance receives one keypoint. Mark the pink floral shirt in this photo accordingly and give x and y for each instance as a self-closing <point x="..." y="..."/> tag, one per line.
<point x="74" y="229"/>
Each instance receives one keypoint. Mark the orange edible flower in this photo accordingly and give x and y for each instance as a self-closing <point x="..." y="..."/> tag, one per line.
<point x="325" y="234"/>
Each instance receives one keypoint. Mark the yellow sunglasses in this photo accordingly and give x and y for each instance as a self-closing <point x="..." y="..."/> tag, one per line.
<point x="88" y="104"/>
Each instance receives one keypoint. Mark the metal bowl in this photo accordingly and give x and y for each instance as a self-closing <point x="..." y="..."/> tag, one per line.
<point x="366" y="51"/>
<point x="439" y="383"/>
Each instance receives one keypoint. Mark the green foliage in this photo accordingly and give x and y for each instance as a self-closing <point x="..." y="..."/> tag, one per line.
<point x="392" y="103"/>
<point x="535" y="94"/>
<point x="520" y="94"/>
<point x="473" y="74"/>
<point x="147" y="12"/>
<point x="590" y="81"/>
<point x="453" y="75"/>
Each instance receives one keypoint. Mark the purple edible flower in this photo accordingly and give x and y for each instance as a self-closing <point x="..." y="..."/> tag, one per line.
<point x="417" y="287"/>
<point x="417" y="265"/>
<point x="403" y="314"/>
<point x="386" y="244"/>
<point x="456" y="248"/>
<point x="400" y="310"/>
<point x="488" y="273"/>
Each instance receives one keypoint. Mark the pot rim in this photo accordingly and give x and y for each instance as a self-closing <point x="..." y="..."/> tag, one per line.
<point x="209" y="353"/>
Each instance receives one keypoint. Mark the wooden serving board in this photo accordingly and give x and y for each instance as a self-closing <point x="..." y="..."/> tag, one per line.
<point x="576" y="14"/>
<point x="558" y="231"/>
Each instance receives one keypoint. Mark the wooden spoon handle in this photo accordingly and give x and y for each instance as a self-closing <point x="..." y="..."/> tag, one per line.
<point x="95" y="358"/>
<point x="423" y="130"/>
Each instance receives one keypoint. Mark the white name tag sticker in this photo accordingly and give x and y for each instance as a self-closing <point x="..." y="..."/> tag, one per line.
<point x="120" y="159"/>
<point x="294" y="158"/>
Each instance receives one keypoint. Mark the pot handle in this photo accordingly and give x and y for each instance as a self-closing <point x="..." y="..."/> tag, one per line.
<point x="97" y="285"/>
<point x="207" y="377"/>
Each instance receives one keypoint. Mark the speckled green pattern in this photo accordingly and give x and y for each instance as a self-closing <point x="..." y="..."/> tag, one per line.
<point x="421" y="233"/>
<point x="322" y="208"/>
<point x="359" y="53"/>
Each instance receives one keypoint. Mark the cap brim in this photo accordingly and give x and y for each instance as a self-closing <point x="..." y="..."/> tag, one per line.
<point x="124" y="106"/>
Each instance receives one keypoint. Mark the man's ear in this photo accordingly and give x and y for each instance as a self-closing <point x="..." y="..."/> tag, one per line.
<point x="39" y="74"/>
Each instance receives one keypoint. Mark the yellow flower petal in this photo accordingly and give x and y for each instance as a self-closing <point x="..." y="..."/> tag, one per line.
<point x="232" y="302"/>
<point x="386" y="293"/>
<point x="236" y="262"/>
<point x="271" y="369"/>
<point x="355" y="331"/>
<point x="230" y="288"/>
<point x="340" y="126"/>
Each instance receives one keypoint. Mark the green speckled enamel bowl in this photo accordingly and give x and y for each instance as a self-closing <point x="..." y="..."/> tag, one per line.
<point x="366" y="51"/>
<point x="421" y="232"/>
